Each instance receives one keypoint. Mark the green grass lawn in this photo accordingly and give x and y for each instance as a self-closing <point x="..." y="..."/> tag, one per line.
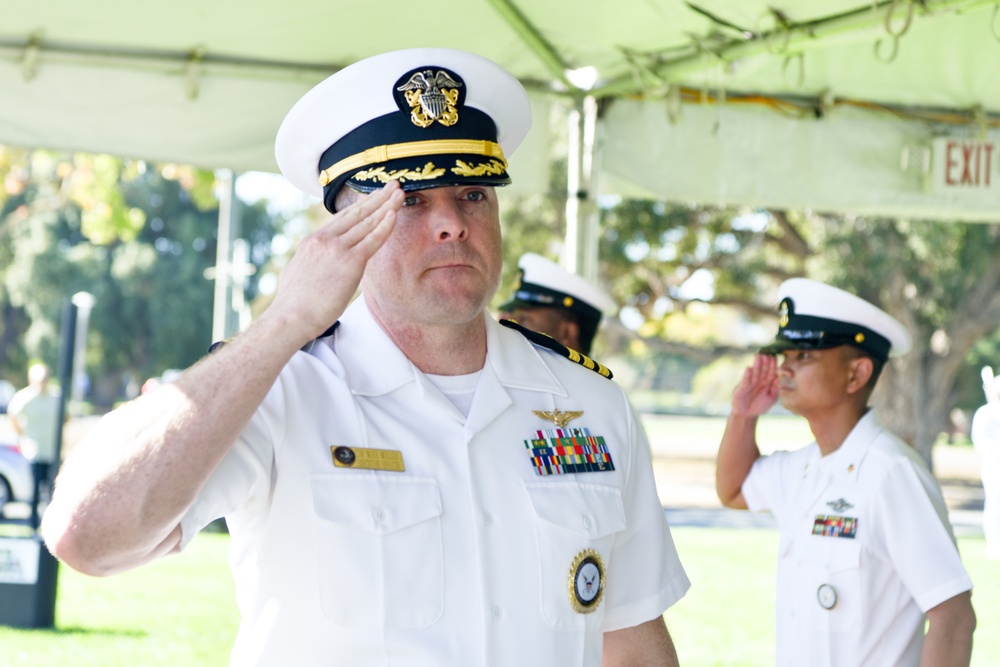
<point x="180" y="611"/>
<point x="773" y="431"/>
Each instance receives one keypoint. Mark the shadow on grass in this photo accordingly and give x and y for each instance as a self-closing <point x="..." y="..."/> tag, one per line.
<point x="75" y="630"/>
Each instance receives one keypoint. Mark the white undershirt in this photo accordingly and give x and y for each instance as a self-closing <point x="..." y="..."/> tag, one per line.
<point x="460" y="389"/>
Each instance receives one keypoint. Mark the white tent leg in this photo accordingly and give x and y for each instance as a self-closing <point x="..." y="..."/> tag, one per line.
<point x="221" y="327"/>
<point x="582" y="220"/>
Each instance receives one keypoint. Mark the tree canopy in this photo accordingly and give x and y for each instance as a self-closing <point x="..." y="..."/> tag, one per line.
<point x="137" y="236"/>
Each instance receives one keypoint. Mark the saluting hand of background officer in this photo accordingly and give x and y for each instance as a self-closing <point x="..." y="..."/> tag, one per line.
<point x="323" y="276"/>
<point x="758" y="390"/>
<point x="755" y="395"/>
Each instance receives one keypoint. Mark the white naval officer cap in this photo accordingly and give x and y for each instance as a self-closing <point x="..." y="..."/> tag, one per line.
<point x="426" y="117"/>
<point x="545" y="284"/>
<point x="814" y="316"/>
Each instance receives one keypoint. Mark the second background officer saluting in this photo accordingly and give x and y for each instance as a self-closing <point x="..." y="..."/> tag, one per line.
<point x="867" y="555"/>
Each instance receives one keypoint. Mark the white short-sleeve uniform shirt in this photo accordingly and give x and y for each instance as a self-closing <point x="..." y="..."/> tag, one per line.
<point x="469" y="556"/>
<point x="866" y="548"/>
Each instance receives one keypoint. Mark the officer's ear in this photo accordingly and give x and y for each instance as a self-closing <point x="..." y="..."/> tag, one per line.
<point x="860" y="369"/>
<point x="569" y="333"/>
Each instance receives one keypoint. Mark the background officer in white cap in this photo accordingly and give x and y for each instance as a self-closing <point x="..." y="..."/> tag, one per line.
<point x="416" y="485"/>
<point x="867" y="555"/>
<point x="551" y="300"/>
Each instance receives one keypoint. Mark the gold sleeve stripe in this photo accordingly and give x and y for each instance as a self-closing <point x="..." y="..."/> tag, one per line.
<point x="388" y="152"/>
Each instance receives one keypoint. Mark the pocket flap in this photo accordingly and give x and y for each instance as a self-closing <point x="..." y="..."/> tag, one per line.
<point x="844" y="555"/>
<point x="375" y="503"/>
<point x="590" y="510"/>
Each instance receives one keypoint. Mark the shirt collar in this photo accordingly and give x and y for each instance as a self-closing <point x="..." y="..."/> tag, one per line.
<point x="849" y="456"/>
<point x="375" y="366"/>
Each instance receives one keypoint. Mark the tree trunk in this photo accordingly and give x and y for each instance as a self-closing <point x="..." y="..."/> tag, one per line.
<point x="911" y="403"/>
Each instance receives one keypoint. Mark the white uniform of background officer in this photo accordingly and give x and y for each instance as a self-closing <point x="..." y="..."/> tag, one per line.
<point x="985" y="434"/>
<point x="551" y="300"/>
<point x="419" y="485"/>
<point x="867" y="555"/>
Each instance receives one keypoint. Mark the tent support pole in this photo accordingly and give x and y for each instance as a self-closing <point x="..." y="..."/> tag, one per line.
<point x="582" y="220"/>
<point x="221" y="319"/>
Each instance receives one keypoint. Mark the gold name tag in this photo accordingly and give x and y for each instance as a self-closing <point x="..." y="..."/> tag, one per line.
<point x="368" y="459"/>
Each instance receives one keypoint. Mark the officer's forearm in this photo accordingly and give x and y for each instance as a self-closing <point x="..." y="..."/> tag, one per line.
<point x="120" y="497"/>
<point x="949" y="633"/>
<point x="737" y="452"/>
<point x="646" y="645"/>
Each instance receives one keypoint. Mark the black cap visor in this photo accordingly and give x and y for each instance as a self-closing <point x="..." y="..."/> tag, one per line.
<point x="797" y="339"/>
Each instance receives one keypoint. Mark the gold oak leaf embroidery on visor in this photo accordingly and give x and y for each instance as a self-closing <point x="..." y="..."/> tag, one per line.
<point x="428" y="173"/>
<point x="491" y="168"/>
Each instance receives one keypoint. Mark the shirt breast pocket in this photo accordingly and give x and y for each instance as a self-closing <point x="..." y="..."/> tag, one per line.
<point x="571" y="518"/>
<point x="837" y="586"/>
<point x="381" y="555"/>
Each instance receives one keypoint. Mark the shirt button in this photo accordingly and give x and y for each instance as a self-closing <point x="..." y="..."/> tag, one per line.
<point x="378" y="514"/>
<point x="487" y="518"/>
<point x="497" y="613"/>
<point x="587" y="523"/>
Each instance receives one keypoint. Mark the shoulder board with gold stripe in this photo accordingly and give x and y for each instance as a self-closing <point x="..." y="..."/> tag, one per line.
<point x="548" y="342"/>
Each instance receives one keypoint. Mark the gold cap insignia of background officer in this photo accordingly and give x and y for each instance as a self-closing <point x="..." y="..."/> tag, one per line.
<point x="586" y="581"/>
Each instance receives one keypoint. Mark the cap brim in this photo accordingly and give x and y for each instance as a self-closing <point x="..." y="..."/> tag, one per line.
<point x="780" y="345"/>
<point x="514" y="304"/>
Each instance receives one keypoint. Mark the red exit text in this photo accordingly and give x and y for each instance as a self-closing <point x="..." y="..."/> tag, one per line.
<point x="968" y="163"/>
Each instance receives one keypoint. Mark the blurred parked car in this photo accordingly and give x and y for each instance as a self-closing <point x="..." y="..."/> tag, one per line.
<point x="6" y="393"/>
<point x="15" y="474"/>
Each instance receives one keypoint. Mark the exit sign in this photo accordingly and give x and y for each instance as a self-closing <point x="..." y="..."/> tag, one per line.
<point x="964" y="165"/>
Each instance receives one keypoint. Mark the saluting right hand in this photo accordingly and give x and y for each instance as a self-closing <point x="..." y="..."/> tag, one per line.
<point x="758" y="390"/>
<point x="318" y="283"/>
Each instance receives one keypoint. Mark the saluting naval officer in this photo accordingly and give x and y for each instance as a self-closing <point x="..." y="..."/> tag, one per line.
<point x="416" y="485"/>
<point x="551" y="300"/>
<point x="867" y="554"/>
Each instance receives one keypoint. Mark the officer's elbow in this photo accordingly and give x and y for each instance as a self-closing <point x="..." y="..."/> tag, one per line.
<point x="731" y="498"/>
<point x="86" y="548"/>
<point x="66" y="541"/>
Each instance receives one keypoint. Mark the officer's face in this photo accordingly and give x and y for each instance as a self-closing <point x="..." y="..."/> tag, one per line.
<point x="549" y="321"/>
<point x="814" y="380"/>
<point x="441" y="265"/>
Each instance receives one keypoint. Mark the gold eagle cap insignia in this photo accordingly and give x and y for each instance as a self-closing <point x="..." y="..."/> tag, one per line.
<point x="558" y="417"/>
<point x="432" y="96"/>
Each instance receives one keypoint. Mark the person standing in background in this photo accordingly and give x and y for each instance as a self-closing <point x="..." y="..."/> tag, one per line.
<point x="551" y="300"/>
<point x="985" y="434"/>
<point x="34" y="413"/>
<point x="867" y="558"/>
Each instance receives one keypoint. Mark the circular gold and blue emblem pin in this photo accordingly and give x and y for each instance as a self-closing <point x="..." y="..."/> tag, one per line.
<point x="586" y="581"/>
<point x="826" y="595"/>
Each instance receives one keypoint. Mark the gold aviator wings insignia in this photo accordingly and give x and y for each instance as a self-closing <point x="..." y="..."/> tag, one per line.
<point x="557" y="417"/>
